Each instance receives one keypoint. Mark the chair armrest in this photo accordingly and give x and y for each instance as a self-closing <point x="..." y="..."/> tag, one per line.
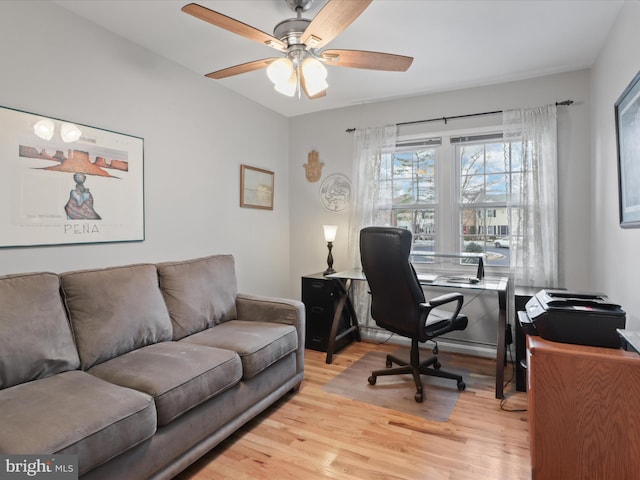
<point x="447" y="298"/>
<point x="445" y="324"/>
<point x="278" y="310"/>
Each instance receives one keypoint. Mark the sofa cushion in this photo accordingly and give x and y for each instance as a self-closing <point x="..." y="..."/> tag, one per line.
<point x="259" y="344"/>
<point x="199" y="293"/>
<point x="177" y="375"/>
<point x="115" y="310"/>
<point x="74" y="413"/>
<point x="35" y="337"/>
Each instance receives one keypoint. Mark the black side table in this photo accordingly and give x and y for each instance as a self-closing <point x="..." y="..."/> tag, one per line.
<point x="330" y="320"/>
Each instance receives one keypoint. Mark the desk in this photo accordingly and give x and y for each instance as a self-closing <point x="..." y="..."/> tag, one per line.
<point x="500" y="285"/>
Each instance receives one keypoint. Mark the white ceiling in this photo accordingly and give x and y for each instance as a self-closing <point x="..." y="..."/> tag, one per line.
<point x="455" y="44"/>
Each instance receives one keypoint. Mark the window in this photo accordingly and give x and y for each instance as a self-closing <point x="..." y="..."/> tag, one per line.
<point x="409" y="176"/>
<point x="453" y="193"/>
<point x="489" y="170"/>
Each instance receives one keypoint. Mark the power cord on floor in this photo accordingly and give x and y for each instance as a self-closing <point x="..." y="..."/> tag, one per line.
<point x="382" y="342"/>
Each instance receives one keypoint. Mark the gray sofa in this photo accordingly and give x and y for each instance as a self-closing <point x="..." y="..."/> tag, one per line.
<point x="140" y="369"/>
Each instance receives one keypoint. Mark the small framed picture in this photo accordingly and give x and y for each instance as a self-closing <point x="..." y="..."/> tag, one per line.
<point x="256" y="187"/>
<point x="627" y="111"/>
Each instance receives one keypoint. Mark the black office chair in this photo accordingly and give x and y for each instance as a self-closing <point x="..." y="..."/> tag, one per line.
<point x="398" y="303"/>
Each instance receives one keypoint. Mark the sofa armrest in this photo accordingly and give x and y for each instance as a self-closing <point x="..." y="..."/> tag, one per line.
<point x="279" y="310"/>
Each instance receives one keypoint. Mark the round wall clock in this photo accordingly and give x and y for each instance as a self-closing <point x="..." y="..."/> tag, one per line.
<point x="335" y="192"/>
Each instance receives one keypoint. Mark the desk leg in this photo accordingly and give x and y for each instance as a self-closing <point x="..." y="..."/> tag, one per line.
<point x="343" y="302"/>
<point x="501" y="350"/>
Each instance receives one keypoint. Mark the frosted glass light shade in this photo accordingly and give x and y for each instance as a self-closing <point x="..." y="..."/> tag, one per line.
<point x="330" y="232"/>
<point x="313" y="70"/>
<point x="289" y="86"/>
<point x="313" y="88"/>
<point x="315" y="75"/>
<point x="280" y="71"/>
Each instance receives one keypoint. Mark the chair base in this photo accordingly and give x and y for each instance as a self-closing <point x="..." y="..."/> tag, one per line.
<point x="431" y="367"/>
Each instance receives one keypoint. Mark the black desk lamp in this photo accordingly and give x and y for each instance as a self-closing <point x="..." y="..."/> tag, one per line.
<point x="329" y="236"/>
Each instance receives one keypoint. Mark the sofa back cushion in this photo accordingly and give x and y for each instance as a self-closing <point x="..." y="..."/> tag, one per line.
<point x="115" y="310"/>
<point x="35" y="337"/>
<point x="199" y="293"/>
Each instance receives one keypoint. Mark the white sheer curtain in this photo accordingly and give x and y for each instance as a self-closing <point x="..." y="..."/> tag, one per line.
<point x="534" y="198"/>
<point x="372" y="159"/>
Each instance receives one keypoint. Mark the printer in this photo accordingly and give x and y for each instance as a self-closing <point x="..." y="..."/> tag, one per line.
<point x="573" y="317"/>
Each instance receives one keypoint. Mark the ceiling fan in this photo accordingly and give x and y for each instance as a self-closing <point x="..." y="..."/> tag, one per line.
<point x="299" y="39"/>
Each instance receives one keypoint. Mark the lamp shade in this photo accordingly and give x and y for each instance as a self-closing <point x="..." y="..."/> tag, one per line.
<point x="315" y="76"/>
<point x="279" y="71"/>
<point x="313" y="70"/>
<point x="289" y="86"/>
<point x="330" y="232"/>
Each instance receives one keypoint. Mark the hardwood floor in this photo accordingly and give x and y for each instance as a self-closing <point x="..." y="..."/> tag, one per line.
<point x="313" y="434"/>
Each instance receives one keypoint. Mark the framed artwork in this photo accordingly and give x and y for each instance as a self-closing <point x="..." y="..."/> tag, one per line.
<point x="256" y="187"/>
<point x="627" y="112"/>
<point x="68" y="183"/>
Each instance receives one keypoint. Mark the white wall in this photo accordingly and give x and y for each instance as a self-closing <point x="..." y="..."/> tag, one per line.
<point x="196" y="135"/>
<point x="615" y="250"/>
<point x="325" y="132"/>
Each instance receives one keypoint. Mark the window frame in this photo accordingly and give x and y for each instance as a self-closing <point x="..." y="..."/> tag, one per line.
<point x="448" y="206"/>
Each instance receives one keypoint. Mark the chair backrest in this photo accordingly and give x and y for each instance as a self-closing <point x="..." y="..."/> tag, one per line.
<point x="395" y="290"/>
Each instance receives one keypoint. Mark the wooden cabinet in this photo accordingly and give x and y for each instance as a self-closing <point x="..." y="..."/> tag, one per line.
<point x="584" y="411"/>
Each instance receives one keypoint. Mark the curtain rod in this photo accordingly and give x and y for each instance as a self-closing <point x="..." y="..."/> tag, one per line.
<point x="446" y="119"/>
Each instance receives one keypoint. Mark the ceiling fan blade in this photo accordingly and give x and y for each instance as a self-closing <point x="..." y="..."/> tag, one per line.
<point x="332" y="19"/>
<point x="233" y="26"/>
<point x="368" y="60"/>
<point x="242" y="68"/>
<point x="303" y="84"/>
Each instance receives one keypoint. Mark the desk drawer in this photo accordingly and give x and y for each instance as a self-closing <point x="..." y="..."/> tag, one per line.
<point x="318" y="328"/>
<point x="319" y="293"/>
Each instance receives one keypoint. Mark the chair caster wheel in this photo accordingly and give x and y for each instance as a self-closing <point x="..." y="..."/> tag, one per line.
<point x="389" y="364"/>
<point x="419" y="397"/>
<point x="461" y="385"/>
<point x="437" y="365"/>
<point x="435" y="350"/>
<point x="372" y="380"/>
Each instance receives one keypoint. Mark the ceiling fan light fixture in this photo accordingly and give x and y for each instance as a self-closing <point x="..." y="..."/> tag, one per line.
<point x="280" y="71"/>
<point x="315" y="76"/>
<point x="315" y="86"/>
<point x="289" y="86"/>
<point x="313" y="70"/>
<point x="302" y="68"/>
